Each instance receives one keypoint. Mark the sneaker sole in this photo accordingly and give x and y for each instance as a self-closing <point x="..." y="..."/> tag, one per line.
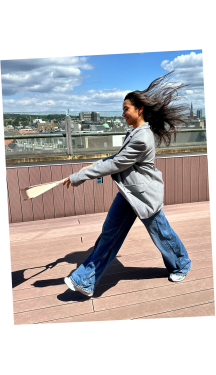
<point x="176" y="281"/>
<point x="75" y="288"/>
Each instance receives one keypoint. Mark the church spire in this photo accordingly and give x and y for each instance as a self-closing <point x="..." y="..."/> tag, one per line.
<point x="191" y="111"/>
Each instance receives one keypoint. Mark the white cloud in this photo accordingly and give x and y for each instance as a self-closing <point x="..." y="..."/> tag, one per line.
<point x="189" y="70"/>
<point x="62" y="72"/>
<point x="184" y="61"/>
<point x="42" y="75"/>
<point x="47" y="84"/>
<point x="102" y="100"/>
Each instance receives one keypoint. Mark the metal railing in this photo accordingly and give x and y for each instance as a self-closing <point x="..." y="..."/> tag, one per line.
<point x="87" y="142"/>
<point x="30" y="145"/>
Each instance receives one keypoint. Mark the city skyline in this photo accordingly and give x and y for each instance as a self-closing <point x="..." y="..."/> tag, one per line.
<point x="101" y="113"/>
<point x="95" y="83"/>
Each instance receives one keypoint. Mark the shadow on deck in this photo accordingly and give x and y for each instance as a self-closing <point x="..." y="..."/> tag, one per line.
<point x="135" y="286"/>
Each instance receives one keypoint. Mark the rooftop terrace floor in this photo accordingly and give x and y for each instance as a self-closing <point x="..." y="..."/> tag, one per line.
<point x="135" y="286"/>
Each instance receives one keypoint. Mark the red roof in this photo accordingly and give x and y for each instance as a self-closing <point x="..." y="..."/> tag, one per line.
<point x="27" y="131"/>
<point x="7" y="141"/>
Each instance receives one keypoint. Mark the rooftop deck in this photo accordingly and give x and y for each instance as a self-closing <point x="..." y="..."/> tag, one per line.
<point x="135" y="285"/>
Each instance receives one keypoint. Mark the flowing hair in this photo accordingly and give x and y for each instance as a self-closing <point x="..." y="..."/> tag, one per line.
<point x="159" y="108"/>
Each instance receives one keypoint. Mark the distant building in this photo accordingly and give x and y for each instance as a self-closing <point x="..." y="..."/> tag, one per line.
<point x="199" y="113"/>
<point x="35" y="121"/>
<point x="193" y="121"/>
<point x="97" y="128"/>
<point x="45" y="125"/>
<point x="77" y="127"/>
<point x="191" y="112"/>
<point x="203" y="124"/>
<point x="194" y="124"/>
<point x="14" y="145"/>
<point x="95" y="116"/>
<point x="85" y="115"/>
<point x="89" y="116"/>
<point x="87" y="122"/>
<point x="9" y="132"/>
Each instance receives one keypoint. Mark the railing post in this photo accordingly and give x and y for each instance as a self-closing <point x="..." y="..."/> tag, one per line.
<point x="68" y="135"/>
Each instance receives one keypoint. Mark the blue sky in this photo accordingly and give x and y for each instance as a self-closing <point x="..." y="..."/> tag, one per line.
<point x="95" y="82"/>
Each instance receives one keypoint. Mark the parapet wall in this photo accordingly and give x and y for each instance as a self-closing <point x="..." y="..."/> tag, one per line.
<point x="185" y="179"/>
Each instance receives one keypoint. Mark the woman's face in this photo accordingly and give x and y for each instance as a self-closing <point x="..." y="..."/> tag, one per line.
<point x="131" y="114"/>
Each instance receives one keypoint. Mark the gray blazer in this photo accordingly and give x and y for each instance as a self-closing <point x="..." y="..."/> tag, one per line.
<point x="132" y="168"/>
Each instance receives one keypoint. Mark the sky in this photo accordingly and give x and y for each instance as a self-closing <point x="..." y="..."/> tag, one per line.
<point x="95" y="83"/>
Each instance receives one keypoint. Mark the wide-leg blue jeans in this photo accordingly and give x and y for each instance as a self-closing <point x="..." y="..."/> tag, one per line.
<point x="119" y="220"/>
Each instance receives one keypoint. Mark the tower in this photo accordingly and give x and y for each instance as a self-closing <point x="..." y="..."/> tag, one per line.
<point x="191" y="111"/>
<point x="199" y="113"/>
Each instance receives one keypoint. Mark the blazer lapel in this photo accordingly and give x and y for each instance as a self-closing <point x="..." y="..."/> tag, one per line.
<point x="129" y="135"/>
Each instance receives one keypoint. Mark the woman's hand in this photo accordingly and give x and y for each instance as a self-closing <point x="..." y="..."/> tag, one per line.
<point x="67" y="183"/>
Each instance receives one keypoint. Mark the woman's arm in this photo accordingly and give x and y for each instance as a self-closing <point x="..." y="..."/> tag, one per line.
<point x="128" y="156"/>
<point x="67" y="181"/>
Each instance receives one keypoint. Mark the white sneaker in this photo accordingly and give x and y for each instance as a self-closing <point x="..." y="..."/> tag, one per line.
<point x="176" y="278"/>
<point x="71" y="286"/>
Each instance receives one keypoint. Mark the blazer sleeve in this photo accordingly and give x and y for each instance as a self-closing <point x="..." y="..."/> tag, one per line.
<point x="129" y="155"/>
<point x="108" y="157"/>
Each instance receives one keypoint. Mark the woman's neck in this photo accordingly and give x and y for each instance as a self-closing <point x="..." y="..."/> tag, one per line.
<point x="138" y="123"/>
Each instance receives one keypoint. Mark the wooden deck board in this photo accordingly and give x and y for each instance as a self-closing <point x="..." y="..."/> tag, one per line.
<point x="146" y="309"/>
<point x="28" y="247"/>
<point x="135" y="286"/>
<point x="123" y="286"/>
<point x="24" y="278"/>
<point x="146" y="253"/>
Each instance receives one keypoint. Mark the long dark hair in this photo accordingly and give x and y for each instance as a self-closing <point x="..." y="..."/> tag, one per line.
<point x="159" y="108"/>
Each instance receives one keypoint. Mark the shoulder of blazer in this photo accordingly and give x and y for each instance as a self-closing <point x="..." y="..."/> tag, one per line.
<point x="133" y="133"/>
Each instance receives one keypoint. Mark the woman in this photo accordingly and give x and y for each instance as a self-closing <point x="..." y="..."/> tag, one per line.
<point x="140" y="184"/>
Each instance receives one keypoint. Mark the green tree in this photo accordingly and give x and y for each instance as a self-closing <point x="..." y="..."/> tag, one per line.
<point x="24" y="123"/>
<point x="16" y="121"/>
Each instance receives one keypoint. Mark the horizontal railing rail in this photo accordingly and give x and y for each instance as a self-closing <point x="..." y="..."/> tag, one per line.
<point x="88" y="143"/>
<point x="53" y="135"/>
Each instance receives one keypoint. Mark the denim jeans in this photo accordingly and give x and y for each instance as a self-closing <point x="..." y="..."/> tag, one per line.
<point x="119" y="220"/>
